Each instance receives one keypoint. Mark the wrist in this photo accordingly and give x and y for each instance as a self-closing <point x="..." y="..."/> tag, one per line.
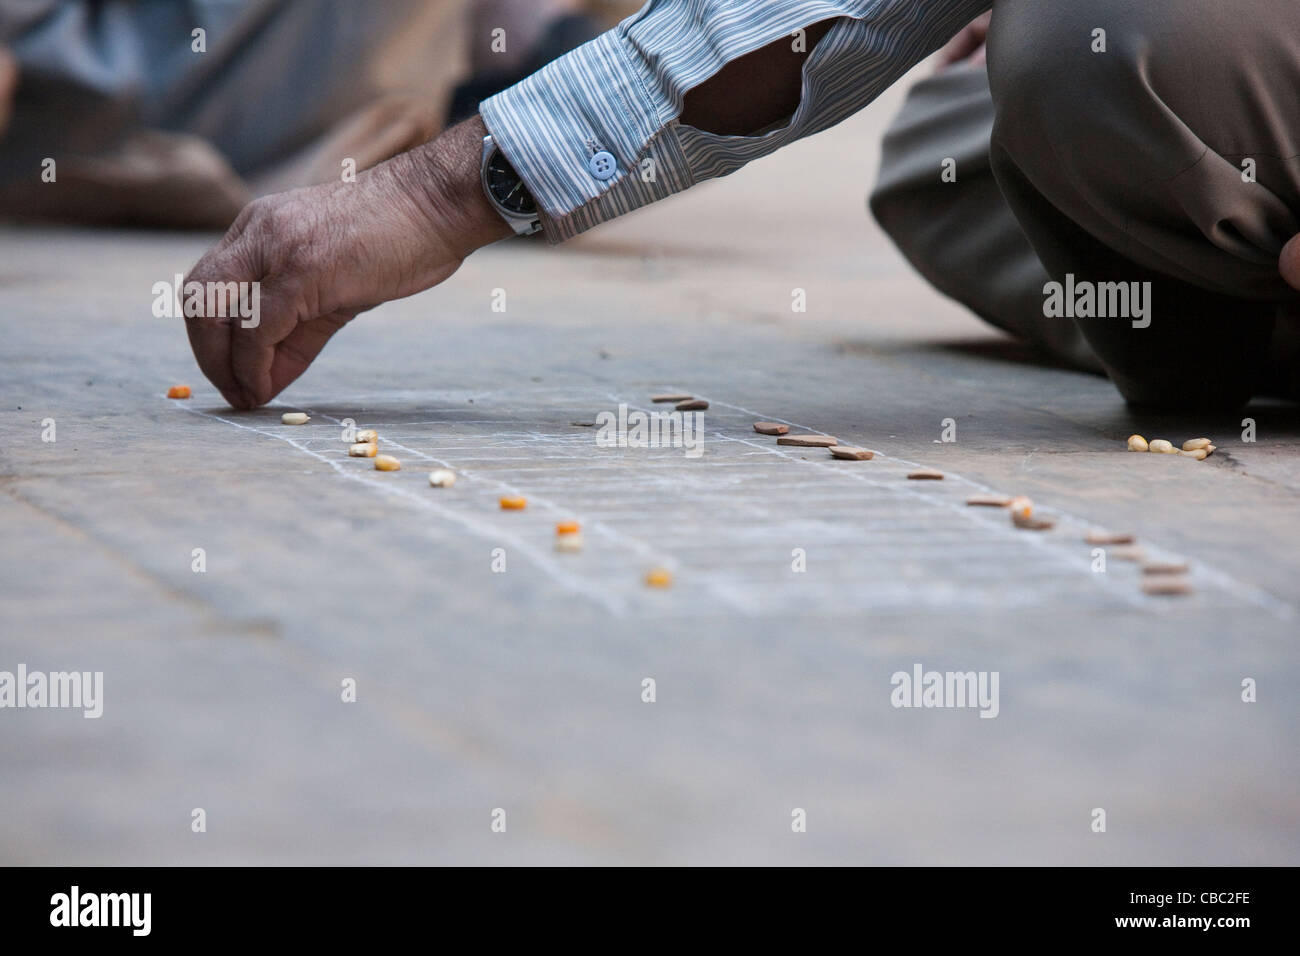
<point x="448" y="185"/>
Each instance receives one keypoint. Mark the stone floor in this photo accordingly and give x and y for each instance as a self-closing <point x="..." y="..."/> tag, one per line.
<point x="522" y="689"/>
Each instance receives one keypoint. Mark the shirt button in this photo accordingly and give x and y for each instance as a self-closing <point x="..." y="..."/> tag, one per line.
<point x="602" y="165"/>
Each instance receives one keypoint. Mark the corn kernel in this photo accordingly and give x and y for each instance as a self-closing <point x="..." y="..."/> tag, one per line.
<point x="568" y="542"/>
<point x="1022" y="515"/>
<point x="387" y="463"/>
<point x="1200" y="454"/>
<point x="442" y="478"/>
<point x="659" y="578"/>
<point x="178" y="391"/>
<point x="295" y="418"/>
<point x="363" y="450"/>
<point x="1194" y="443"/>
<point x="567" y="527"/>
<point x="513" y="502"/>
<point x="1137" y="443"/>
<point x="367" y="435"/>
<point x="1162" y="447"/>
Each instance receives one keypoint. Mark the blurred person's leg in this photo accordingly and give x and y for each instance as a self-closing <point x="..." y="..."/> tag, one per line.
<point x="145" y="127"/>
<point x="959" y="234"/>
<point x="1173" y="157"/>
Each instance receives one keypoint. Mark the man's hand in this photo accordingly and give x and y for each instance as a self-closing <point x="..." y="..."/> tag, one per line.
<point x="322" y="255"/>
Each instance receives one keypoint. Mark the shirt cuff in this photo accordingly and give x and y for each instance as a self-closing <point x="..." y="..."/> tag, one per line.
<point x="592" y="100"/>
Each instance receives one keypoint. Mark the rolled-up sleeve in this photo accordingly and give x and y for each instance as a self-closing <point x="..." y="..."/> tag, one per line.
<point x="622" y="93"/>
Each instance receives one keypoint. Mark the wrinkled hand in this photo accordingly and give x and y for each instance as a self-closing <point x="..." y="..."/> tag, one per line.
<point x="324" y="254"/>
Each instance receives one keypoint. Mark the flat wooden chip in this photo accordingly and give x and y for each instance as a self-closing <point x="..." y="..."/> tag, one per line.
<point x="808" y="441"/>
<point x="1165" y="567"/>
<point x="692" y="405"/>
<point x="1128" y="553"/>
<point x="989" y="501"/>
<point x="1166" y="584"/>
<point x="925" y="474"/>
<point x="770" y="428"/>
<point x="849" y="453"/>
<point x="1108" y="537"/>
<point x="674" y="397"/>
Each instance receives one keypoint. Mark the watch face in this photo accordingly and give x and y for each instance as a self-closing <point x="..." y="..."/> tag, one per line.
<point x="506" y="186"/>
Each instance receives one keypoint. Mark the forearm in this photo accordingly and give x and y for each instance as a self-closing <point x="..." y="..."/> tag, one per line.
<point x="686" y="90"/>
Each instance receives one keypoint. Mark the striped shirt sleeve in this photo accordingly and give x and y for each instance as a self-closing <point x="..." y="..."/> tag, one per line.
<point x="622" y="94"/>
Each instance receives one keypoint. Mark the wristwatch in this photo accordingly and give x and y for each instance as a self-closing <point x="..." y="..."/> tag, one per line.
<point x="507" y="192"/>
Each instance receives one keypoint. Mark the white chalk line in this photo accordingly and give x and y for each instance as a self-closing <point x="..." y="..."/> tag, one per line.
<point x="1222" y="580"/>
<point x="487" y="531"/>
<point x="1011" y="536"/>
<point x="644" y="551"/>
<point x="725" y="589"/>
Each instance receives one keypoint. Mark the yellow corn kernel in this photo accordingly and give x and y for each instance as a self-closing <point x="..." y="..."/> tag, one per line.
<point x="363" y="450"/>
<point x="659" y="578"/>
<point x="387" y="463"/>
<point x="178" y="391"/>
<point x="513" y="502"/>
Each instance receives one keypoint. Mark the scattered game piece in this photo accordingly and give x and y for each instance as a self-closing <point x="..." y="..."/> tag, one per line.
<point x="1194" y="443"/>
<point x="442" y="478"/>
<point x="849" y="453"/>
<point x="674" y="398"/>
<point x="1200" y="454"/>
<point x="567" y="527"/>
<point x="692" y="405"/>
<point x="1021" y="507"/>
<point x="583" y="424"/>
<point x="368" y="435"/>
<point x="387" y="463"/>
<point x="1165" y="567"/>
<point x="1210" y="450"/>
<point x="808" y="441"/>
<point x="365" y="449"/>
<point x="1162" y="447"/>
<point x="569" y="543"/>
<point x="989" y="501"/>
<point x="1137" y="443"/>
<point x="1166" y="585"/>
<point x="513" y="502"/>
<point x="925" y="474"/>
<point x="770" y="428"/>
<point x="295" y="418"/>
<point x="178" y="391"/>
<point x="659" y="578"/>
<point x="1108" y="537"/>
<point x="1126" y="553"/>
<point x="1034" y="524"/>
